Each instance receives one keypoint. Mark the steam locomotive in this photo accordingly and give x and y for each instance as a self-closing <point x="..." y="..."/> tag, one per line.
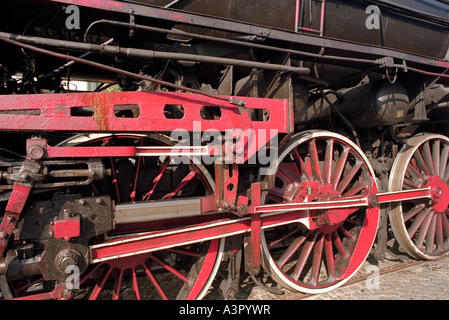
<point x="216" y="139"/>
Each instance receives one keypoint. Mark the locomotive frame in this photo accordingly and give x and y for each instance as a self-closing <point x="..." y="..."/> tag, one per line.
<point x="321" y="197"/>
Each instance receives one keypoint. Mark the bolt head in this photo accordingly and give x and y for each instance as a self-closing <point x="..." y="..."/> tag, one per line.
<point x="36" y="152"/>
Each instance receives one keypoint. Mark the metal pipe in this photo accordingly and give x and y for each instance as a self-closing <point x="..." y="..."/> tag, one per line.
<point x="338" y="112"/>
<point x="150" y="54"/>
<point x="68" y="64"/>
<point x="230" y="41"/>
<point x="231" y="100"/>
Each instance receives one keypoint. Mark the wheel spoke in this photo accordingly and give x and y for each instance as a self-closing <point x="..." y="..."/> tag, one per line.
<point x="446" y="174"/>
<point x="445" y="223"/>
<point x="414" y="174"/>
<point x="420" y="162"/>
<point x="317" y="259"/>
<point x="358" y="187"/>
<point x="115" y="182"/>
<point x="348" y="177"/>
<point x="345" y="233"/>
<point x="436" y="157"/>
<point x="185" y="252"/>
<point x="443" y="160"/>
<point x="305" y="253"/>
<point x="154" y="282"/>
<point x="100" y="283"/>
<point x="329" y="254"/>
<point x="328" y="158"/>
<point x="428" y="158"/>
<point x="86" y="276"/>
<point x="418" y="221"/>
<point x="292" y="248"/>
<point x="424" y="230"/>
<point x="340" y="167"/>
<point x="157" y="179"/>
<point x="412" y="212"/>
<point x="408" y="184"/>
<point x="316" y="170"/>
<point x="132" y="196"/>
<point x="439" y="232"/>
<point x="181" y="185"/>
<point x="169" y="268"/>
<point x="338" y="244"/>
<point x="430" y="236"/>
<point x="135" y="285"/>
<point x="306" y="174"/>
<point x="117" y="284"/>
<point x="283" y="237"/>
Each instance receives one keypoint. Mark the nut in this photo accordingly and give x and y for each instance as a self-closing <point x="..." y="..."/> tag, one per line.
<point x="66" y="258"/>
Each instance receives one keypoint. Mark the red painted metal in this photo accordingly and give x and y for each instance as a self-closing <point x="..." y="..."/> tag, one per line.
<point x="126" y="151"/>
<point x="59" y="292"/>
<point x="128" y="246"/>
<point x="218" y="228"/>
<point x="143" y="261"/>
<point x="405" y="195"/>
<point x="54" y="112"/>
<point x="14" y="208"/>
<point x="256" y="224"/>
<point x="66" y="228"/>
<point x="320" y="174"/>
<point x="206" y="269"/>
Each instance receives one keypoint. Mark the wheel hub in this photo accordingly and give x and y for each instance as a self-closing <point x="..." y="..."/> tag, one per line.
<point x="440" y="193"/>
<point x="319" y="191"/>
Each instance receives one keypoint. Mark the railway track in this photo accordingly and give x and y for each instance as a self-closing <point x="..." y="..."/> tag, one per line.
<point x="250" y="291"/>
<point x="363" y="276"/>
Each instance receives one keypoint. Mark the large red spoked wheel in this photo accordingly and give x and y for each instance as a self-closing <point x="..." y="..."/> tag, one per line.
<point x="421" y="226"/>
<point x="176" y="273"/>
<point x="320" y="166"/>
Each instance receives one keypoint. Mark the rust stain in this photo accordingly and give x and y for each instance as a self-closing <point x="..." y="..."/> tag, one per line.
<point x="100" y="103"/>
<point x="62" y="109"/>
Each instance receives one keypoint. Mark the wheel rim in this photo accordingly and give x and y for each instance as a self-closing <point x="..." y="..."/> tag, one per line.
<point x="316" y="166"/>
<point x="421" y="226"/>
<point x="177" y="273"/>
